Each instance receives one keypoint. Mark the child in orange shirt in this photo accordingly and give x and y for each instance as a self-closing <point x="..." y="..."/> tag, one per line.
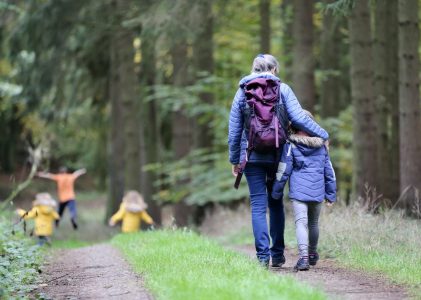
<point x="132" y="211"/>
<point x="66" y="193"/>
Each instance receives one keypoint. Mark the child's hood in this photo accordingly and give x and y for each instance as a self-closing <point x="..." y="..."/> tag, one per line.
<point x="134" y="202"/>
<point x="306" y="144"/>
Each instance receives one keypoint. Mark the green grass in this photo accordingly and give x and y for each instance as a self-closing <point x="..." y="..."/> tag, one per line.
<point x="183" y="265"/>
<point x="385" y="243"/>
<point x="69" y="244"/>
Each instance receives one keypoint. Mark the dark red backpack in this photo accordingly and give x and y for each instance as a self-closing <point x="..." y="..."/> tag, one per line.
<point x="265" y="118"/>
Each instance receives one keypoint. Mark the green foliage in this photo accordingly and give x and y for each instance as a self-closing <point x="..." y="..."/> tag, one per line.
<point x="173" y="263"/>
<point x="19" y="262"/>
<point x="206" y="177"/>
<point x="341" y="7"/>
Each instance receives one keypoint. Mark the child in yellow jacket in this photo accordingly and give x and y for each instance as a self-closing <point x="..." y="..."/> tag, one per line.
<point x="132" y="211"/>
<point x="44" y="213"/>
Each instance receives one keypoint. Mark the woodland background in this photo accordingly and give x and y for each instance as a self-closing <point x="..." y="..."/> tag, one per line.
<point x="139" y="93"/>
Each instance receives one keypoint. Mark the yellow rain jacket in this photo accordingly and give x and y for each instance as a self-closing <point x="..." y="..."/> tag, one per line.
<point x="44" y="216"/>
<point x="131" y="220"/>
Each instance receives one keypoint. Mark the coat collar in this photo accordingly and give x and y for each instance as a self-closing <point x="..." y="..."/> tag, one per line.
<point x="252" y="76"/>
<point x="313" y="142"/>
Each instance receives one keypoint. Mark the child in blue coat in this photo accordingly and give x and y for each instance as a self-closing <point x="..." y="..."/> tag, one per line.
<point x="305" y="162"/>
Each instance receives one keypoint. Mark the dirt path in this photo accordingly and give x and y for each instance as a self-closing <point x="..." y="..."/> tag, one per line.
<point x="338" y="282"/>
<point x="95" y="272"/>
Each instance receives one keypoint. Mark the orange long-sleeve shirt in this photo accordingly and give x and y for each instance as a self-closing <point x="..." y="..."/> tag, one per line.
<point x="65" y="186"/>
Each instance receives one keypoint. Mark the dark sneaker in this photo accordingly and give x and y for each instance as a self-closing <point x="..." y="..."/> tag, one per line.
<point x="313" y="258"/>
<point x="302" y="264"/>
<point x="278" y="262"/>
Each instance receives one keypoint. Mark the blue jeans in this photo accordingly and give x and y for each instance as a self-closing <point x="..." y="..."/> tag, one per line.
<point x="260" y="178"/>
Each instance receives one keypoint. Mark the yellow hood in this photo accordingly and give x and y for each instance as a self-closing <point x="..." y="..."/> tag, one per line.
<point x="44" y="209"/>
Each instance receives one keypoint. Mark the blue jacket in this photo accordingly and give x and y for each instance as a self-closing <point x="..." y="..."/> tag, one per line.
<point x="305" y="161"/>
<point x="237" y="135"/>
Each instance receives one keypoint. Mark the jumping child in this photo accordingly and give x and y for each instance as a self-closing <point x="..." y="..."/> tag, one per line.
<point x="66" y="191"/>
<point x="132" y="211"/>
<point x="305" y="162"/>
<point x="44" y="213"/>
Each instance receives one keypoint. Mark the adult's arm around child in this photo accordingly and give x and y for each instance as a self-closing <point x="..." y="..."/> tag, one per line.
<point x="283" y="172"/>
<point x="298" y="117"/>
<point x="330" y="180"/>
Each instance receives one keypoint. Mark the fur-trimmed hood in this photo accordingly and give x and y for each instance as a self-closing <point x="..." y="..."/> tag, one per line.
<point x="44" y="199"/>
<point x="134" y="202"/>
<point x="306" y="144"/>
<point x="310" y="141"/>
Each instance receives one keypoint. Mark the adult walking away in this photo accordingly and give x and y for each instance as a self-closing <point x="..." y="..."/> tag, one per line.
<point x="66" y="192"/>
<point x="260" y="168"/>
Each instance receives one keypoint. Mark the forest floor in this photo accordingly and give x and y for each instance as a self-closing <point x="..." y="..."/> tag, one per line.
<point x="99" y="271"/>
<point x="94" y="272"/>
<point x="338" y="282"/>
<point x="232" y="229"/>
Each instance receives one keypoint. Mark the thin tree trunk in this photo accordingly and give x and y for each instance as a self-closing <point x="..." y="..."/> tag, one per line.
<point x="286" y="12"/>
<point x="393" y="97"/>
<point x="303" y="57"/>
<point x="364" y="127"/>
<point x="181" y="128"/>
<point x="151" y="135"/>
<point x="409" y="101"/>
<point x="204" y="66"/>
<point x="130" y="98"/>
<point x="264" y="9"/>
<point x="381" y="81"/>
<point x="116" y="159"/>
<point x="330" y="64"/>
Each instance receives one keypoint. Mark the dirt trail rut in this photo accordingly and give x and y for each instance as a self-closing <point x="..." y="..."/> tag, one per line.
<point x="338" y="282"/>
<point x="95" y="272"/>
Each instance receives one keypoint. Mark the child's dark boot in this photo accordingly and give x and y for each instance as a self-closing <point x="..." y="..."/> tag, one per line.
<point x="302" y="264"/>
<point x="313" y="258"/>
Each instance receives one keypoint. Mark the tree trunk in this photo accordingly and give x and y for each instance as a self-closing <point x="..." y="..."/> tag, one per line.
<point x="303" y="58"/>
<point x="381" y="81"/>
<point x="385" y="84"/>
<point x="151" y="136"/>
<point x="181" y="128"/>
<point x="264" y="9"/>
<point x="129" y="94"/>
<point x="286" y="8"/>
<point x="330" y="64"/>
<point x="364" y="127"/>
<point x="204" y="66"/>
<point x="409" y="101"/>
<point x="116" y="157"/>
<point x="392" y="61"/>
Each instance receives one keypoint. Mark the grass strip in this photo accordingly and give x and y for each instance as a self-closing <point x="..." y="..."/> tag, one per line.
<point x="387" y="243"/>
<point x="184" y="265"/>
